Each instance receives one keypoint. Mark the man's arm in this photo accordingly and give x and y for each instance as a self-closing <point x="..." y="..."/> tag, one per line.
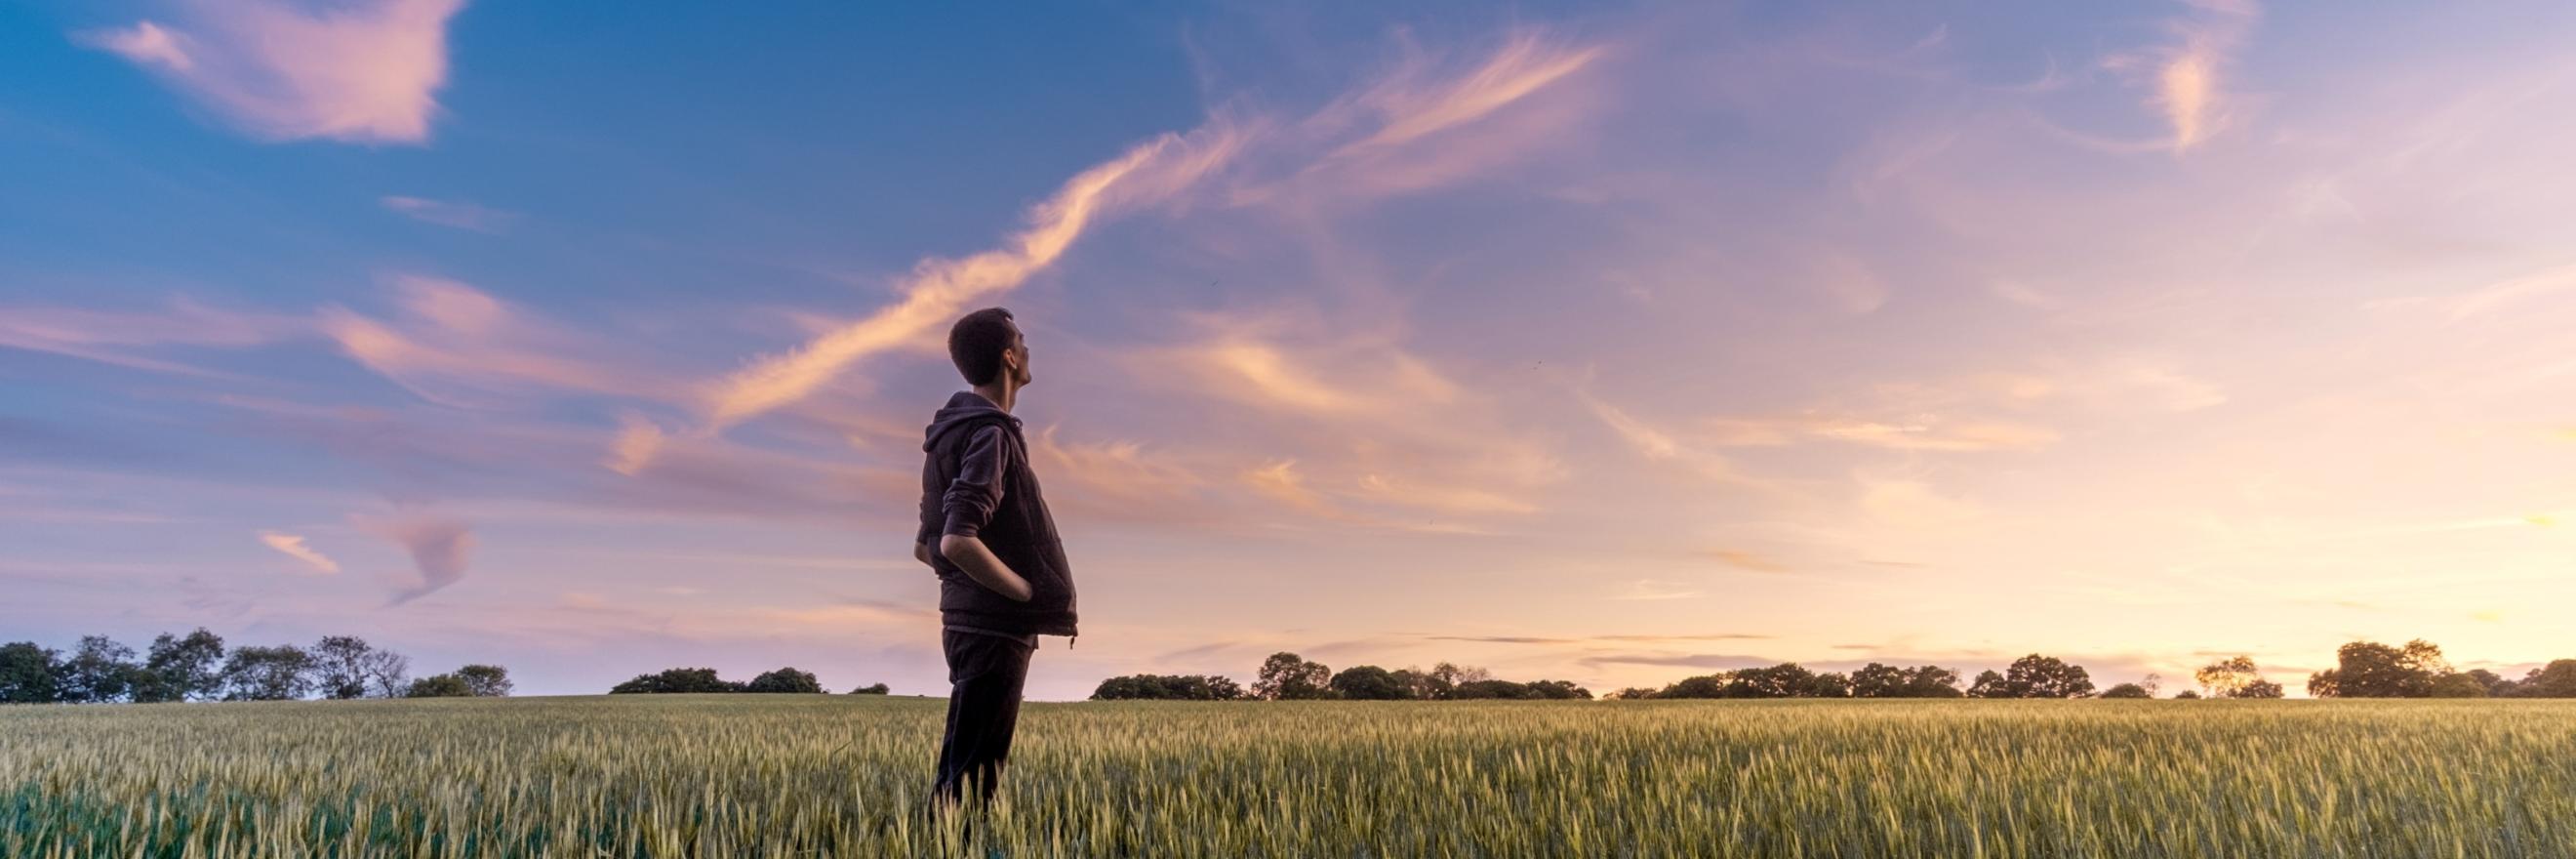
<point x="970" y="501"/>
<point x="921" y="552"/>
<point x="970" y="554"/>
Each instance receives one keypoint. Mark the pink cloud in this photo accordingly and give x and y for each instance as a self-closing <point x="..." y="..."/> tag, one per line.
<point x="459" y="346"/>
<point x="439" y="548"/>
<point x="362" y="72"/>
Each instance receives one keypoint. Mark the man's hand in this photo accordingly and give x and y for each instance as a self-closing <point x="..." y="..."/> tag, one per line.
<point x="979" y="562"/>
<point x="921" y="552"/>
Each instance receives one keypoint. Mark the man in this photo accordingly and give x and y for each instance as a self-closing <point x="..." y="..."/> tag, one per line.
<point x="1003" y="580"/>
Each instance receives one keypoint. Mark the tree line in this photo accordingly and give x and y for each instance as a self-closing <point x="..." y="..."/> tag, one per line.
<point x="704" y="680"/>
<point x="2363" y="670"/>
<point x="198" y="667"/>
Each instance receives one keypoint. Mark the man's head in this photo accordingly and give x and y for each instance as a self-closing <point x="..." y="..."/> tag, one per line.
<point x="987" y="348"/>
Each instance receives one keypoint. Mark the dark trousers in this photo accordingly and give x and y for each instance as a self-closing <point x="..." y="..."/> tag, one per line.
<point x="985" y="673"/>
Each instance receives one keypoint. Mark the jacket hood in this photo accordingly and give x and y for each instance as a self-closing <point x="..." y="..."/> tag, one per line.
<point x="965" y="409"/>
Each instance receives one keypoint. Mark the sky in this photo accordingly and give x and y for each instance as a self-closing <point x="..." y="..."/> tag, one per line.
<point x="1611" y="342"/>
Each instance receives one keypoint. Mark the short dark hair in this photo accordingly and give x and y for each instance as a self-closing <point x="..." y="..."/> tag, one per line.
<point x="977" y="342"/>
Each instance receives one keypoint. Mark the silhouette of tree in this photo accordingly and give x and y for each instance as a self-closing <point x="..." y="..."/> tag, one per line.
<point x="2127" y="690"/>
<point x="99" y="671"/>
<point x="440" y="686"/>
<point x="2034" y="676"/>
<point x="785" y="680"/>
<point x="2368" y="669"/>
<point x="676" y="681"/>
<point x="1369" y="683"/>
<point x="280" y="673"/>
<point x="29" y="674"/>
<point x="1288" y="677"/>
<point x="182" y="669"/>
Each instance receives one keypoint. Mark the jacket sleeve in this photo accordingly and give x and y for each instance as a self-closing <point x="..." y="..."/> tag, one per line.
<point x="977" y="491"/>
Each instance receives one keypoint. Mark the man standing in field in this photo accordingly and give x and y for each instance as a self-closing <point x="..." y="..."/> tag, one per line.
<point x="1003" y="580"/>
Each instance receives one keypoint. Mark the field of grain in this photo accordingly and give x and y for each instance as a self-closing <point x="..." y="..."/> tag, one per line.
<point x="740" y="775"/>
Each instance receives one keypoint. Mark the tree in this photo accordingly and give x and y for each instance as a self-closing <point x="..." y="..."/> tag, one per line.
<point x="388" y="673"/>
<point x="182" y="669"/>
<point x="2048" y="677"/>
<point x="2221" y="679"/>
<point x="2128" y="690"/>
<point x="440" y="686"/>
<point x="281" y="673"/>
<point x="2457" y="686"/>
<point x="1785" y="680"/>
<point x="2034" y="676"/>
<point x="1558" y="690"/>
<point x="785" y="680"/>
<point x="340" y="666"/>
<point x="29" y="674"/>
<point x="1176" y="687"/>
<point x="1420" y="685"/>
<point x="1477" y="690"/>
<point x="676" y="681"/>
<point x="2259" y="689"/>
<point x="1933" y="681"/>
<point x="2495" y="684"/>
<point x="870" y="689"/>
<point x="99" y="671"/>
<point x="2152" y="683"/>
<point x="1703" y="686"/>
<point x="2368" y="669"/>
<point x="1369" y="683"/>
<point x="493" y="681"/>
<point x="2186" y="695"/>
<point x="2554" y="680"/>
<point x="1877" y="680"/>
<point x="1632" y="693"/>
<point x="1287" y="677"/>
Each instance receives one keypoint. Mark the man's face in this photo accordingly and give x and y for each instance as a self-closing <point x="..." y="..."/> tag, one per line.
<point x="1017" y="360"/>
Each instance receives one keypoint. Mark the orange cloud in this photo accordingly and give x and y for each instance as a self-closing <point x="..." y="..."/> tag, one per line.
<point x="293" y="547"/>
<point x="2188" y="84"/>
<point x="638" y="440"/>
<point x="363" y="72"/>
<point x="939" y="289"/>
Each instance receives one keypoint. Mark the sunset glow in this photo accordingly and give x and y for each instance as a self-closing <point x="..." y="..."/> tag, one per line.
<point x="1603" y="343"/>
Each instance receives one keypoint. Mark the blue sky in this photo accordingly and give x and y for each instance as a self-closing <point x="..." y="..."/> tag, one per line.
<point x="1605" y="342"/>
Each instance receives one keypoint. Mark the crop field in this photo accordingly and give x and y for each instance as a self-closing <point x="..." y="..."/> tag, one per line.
<point x="815" y="775"/>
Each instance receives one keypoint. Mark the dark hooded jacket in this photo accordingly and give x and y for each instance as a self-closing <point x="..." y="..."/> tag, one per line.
<point x="975" y="481"/>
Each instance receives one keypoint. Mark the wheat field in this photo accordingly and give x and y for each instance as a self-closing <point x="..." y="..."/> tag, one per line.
<point x="814" y="775"/>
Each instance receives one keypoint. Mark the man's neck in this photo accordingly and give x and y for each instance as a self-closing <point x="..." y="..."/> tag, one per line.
<point x="1001" y="392"/>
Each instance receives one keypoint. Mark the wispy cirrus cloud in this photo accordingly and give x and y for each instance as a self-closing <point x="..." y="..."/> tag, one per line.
<point x="1435" y="118"/>
<point x="132" y="338"/>
<point x="463" y="216"/>
<point x="459" y="346"/>
<point x="293" y="546"/>
<point x="939" y="289"/>
<point x="364" y="72"/>
<point x="2190" y="77"/>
